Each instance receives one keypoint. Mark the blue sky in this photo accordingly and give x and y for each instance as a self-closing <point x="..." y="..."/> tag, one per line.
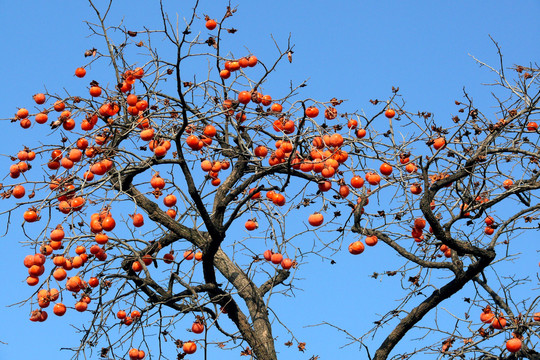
<point x="353" y="50"/>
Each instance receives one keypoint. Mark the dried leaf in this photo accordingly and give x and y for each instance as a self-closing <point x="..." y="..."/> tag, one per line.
<point x="211" y="42"/>
<point x="246" y="352"/>
<point x="139" y="44"/>
<point x="288" y="343"/>
<point x="289" y="56"/>
<point x="414" y="280"/>
<point x="447" y="344"/>
<point x="90" y="52"/>
<point x="335" y="101"/>
<point x="104" y="352"/>
<point x="132" y="33"/>
<point x="229" y="12"/>
<point x="231" y="30"/>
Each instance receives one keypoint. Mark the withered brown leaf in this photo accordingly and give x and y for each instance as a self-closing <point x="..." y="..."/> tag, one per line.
<point x="335" y="101"/>
<point x="246" y="352"/>
<point x="104" y="352"/>
<point x="211" y="42"/>
<point x="90" y="52"/>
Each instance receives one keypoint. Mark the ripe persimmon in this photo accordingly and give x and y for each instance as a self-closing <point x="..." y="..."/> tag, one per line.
<point x="316" y="219"/>
<point x="267" y="255"/>
<point x="59" y="309"/>
<point x="225" y="74"/>
<point x="168" y="258"/>
<point x="95" y="91"/>
<point x="513" y="345"/>
<point x="390" y="113"/>
<point x="189" y="254"/>
<point x="210" y="24"/>
<point x="39" y="98"/>
<point x="189" y="347"/>
<point x="286" y="263"/>
<point x="252" y="60"/>
<point x="81" y="306"/>
<point x="360" y="133"/>
<point x="357" y="182"/>
<point x="18" y="191"/>
<point x="532" y="126"/>
<point x="439" y="143"/>
<point x="371" y="240"/>
<point x="80" y="72"/>
<point x="244" y="97"/>
<point x="276" y="258"/>
<point x="356" y="247"/>
<point x="169" y="200"/>
<point x="136" y="266"/>
<point x="197" y="327"/>
<point x="251" y="225"/>
<point x="416" y="189"/>
<point x="312" y="112"/>
<point x="30" y="215"/>
<point x="276" y="107"/>
<point x="42" y="118"/>
<point x="22" y="113"/>
<point x="386" y="169"/>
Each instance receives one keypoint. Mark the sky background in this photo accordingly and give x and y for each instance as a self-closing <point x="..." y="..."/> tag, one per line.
<point x="353" y="50"/>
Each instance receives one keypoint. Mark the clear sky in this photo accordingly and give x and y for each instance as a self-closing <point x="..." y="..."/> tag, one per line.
<point x="353" y="50"/>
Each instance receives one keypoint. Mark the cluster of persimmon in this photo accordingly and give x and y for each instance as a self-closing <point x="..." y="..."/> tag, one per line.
<point x="213" y="168"/>
<point x="36" y="267"/>
<point x="499" y="322"/>
<point x="490" y="225"/>
<point x="135" y="354"/>
<point x="277" y="258"/>
<point x="234" y="65"/>
<point x="357" y="247"/>
<point x="198" y="142"/>
<point x="417" y="231"/>
<point x="22" y="166"/>
<point x="128" y="320"/>
<point x="190" y="255"/>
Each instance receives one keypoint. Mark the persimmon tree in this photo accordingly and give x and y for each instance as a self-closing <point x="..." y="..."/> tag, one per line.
<point x="129" y="213"/>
